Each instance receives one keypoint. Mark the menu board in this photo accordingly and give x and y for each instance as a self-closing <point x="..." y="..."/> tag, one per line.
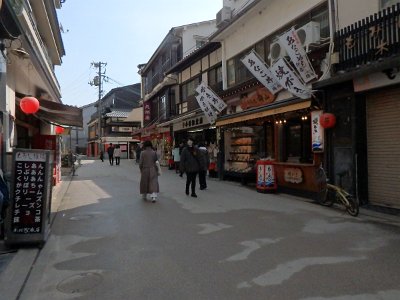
<point x="30" y="196"/>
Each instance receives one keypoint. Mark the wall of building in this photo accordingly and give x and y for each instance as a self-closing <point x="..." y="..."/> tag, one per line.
<point x="203" y="29"/>
<point x="268" y="18"/>
<point x="354" y="10"/>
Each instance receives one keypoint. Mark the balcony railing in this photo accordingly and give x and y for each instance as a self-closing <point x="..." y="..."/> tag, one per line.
<point x="370" y="39"/>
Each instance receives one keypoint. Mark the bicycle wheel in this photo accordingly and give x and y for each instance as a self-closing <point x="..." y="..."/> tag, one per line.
<point x="353" y="207"/>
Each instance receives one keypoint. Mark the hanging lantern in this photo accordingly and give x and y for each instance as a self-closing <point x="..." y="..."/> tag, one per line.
<point x="29" y="105"/>
<point x="327" y="120"/>
<point x="59" y="130"/>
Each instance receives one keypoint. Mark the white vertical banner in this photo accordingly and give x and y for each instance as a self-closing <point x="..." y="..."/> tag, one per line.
<point x="317" y="132"/>
<point x="211" y="97"/>
<point x="206" y="108"/>
<point x="260" y="70"/>
<point x="288" y="79"/>
<point x="297" y="54"/>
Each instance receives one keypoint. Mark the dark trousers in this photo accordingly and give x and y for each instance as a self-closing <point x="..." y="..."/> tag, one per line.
<point x="191" y="180"/>
<point x="176" y="163"/>
<point x="111" y="159"/>
<point x="117" y="160"/>
<point x="202" y="179"/>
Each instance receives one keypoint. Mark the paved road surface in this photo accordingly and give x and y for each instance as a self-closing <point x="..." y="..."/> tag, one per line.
<point x="229" y="243"/>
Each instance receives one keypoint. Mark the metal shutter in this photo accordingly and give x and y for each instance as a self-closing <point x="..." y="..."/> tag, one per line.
<point x="383" y="141"/>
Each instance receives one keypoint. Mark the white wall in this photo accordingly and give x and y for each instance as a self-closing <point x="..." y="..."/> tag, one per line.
<point x="271" y="16"/>
<point x="203" y="29"/>
<point x="350" y="11"/>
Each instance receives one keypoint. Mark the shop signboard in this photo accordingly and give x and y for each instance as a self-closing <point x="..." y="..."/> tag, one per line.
<point x="255" y="64"/>
<point x="288" y="79"/>
<point x="293" y="175"/>
<point x="211" y="97"/>
<point x="317" y="132"/>
<point x="297" y="54"/>
<point x="28" y="218"/>
<point x="206" y="108"/>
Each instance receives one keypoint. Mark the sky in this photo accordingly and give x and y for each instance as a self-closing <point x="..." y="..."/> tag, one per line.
<point x="121" y="33"/>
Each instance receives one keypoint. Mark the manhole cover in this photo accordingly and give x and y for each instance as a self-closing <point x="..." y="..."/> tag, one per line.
<point x="80" y="217"/>
<point x="80" y="283"/>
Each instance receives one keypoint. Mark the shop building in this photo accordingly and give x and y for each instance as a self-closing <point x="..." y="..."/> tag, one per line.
<point x="160" y="89"/>
<point x="31" y="46"/>
<point x="113" y="111"/>
<point x="260" y="125"/>
<point x="364" y="96"/>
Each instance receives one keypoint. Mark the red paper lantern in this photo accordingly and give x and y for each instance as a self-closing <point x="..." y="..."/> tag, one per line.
<point x="29" y="105"/>
<point x="327" y="120"/>
<point x="59" y="130"/>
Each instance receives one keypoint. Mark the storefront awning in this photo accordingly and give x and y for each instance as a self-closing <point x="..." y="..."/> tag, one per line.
<point x="59" y="114"/>
<point x="270" y="110"/>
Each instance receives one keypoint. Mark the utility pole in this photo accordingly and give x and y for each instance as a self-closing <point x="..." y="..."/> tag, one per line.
<point x="98" y="81"/>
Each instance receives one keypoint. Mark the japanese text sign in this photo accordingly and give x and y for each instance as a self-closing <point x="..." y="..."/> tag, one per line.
<point x="260" y="70"/>
<point x="288" y="79"/>
<point x="317" y="132"/>
<point x="206" y="108"/>
<point x="211" y="97"/>
<point x="29" y="192"/>
<point x="291" y="42"/>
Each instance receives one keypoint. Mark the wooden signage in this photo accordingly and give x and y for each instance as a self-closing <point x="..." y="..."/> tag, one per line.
<point x="260" y="97"/>
<point x="29" y="214"/>
<point x="293" y="175"/>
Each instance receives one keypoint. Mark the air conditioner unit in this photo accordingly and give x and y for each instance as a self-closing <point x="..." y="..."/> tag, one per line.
<point x="276" y="51"/>
<point x="224" y="15"/>
<point x="309" y="33"/>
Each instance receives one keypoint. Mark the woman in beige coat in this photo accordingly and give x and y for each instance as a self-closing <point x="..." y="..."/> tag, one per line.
<point x="148" y="171"/>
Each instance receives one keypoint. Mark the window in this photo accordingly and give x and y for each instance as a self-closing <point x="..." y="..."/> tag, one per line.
<point x="188" y="88"/>
<point x="199" y="44"/>
<point x="215" y="78"/>
<point x="182" y="107"/>
<point x="297" y="135"/>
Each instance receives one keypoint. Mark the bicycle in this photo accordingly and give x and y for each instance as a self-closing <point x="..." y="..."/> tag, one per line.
<point x="330" y="194"/>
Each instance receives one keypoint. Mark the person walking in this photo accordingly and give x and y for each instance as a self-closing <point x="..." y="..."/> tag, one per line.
<point x="110" y="152"/>
<point x="204" y="163"/>
<point x="190" y="164"/>
<point x="177" y="158"/>
<point x="117" y="154"/>
<point x="148" y="172"/>
<point x="101" y="155"/>
<point x="181" y="146"/>
<point x="138" y="151"/>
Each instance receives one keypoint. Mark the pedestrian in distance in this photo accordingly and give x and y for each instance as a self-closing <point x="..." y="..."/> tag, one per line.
<point x="177" y="158"/>
<point x="204" y="159"/>
<point x="117" y="154"/>
<point x="110" y="152"/>
<point x="190" y="164"/>
<point x="138" y="151"/>
<point x="148" y="172"/>
<point x="101" y="155"/>
<point x="181" y="146"/>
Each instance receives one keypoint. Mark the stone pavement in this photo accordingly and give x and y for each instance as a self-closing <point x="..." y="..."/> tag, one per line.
<point x="15" y="264"/>
<point x="16" y="267"/>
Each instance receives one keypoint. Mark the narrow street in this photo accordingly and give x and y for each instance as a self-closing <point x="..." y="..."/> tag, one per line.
<point x="229" y="243"/>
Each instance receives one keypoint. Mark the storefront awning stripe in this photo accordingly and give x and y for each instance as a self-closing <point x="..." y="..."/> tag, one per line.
<point x="60" y="114"/>
<point x="264" y="113"/>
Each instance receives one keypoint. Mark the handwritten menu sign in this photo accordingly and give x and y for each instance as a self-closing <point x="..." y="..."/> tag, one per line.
<point x="29" y="195"/>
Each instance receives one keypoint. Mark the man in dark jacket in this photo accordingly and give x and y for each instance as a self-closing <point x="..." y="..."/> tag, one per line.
<point x="110" y="152"/>
<point x="204" y="163"/>
<point x="190" y="164"/>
